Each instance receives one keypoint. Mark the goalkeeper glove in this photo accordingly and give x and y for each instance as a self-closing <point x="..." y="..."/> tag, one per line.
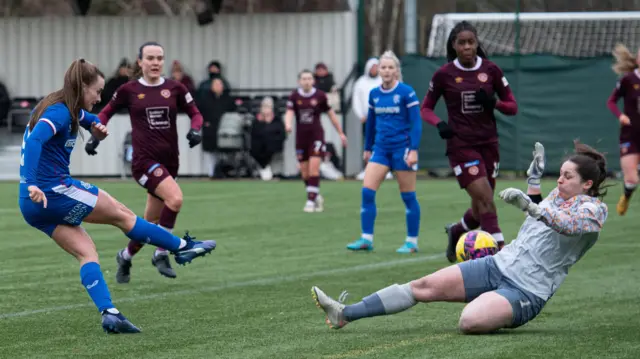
<point x="536" y="168"/>
<point x="519" y="199"/>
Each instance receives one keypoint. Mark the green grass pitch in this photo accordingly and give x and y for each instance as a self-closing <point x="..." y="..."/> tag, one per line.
<point x="251" y="298"/>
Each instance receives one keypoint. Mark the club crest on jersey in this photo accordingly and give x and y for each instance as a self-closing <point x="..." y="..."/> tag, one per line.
<point x="314" y="102"/>
<point x="158" y="172"/>
<point x="165" y="93"/>
<point x="458" y="79"/>
<point x="473" y="170"/>
<point x="482" y="77"/>
<point x="140" y="96"/>
<point x="70" y="143"/>
<point x="396" y="98"/>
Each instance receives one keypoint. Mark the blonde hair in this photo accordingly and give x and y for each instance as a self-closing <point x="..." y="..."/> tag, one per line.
<point x="390" y="55"/>
<point x="625" y="61"/>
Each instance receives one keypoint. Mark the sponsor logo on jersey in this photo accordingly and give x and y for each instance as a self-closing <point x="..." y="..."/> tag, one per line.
<point x="636" y="86"/>
<point x="165" y="93"/>
<point x="458" y="79"/>
<point x="482" y="77"/>
<point x="70" y="143"/>
<point x="140" y="96"/>
<point x="387" y="110"/>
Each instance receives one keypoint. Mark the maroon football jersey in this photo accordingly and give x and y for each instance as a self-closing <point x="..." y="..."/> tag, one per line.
<point x="472" y="123"/>
<point x="308" y="109"/>
<point x="628" y="88"/>
<point x="153" y="110"/>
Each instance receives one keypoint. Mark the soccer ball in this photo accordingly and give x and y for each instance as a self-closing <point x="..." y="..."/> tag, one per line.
<point x="474" y="245"/>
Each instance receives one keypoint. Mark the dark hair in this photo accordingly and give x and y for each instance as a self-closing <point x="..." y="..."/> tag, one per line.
<point x="137" y="70"/>
<point x="460" y="27"/>
<point x="81" y="73"/>
<point x="592" y="165"/>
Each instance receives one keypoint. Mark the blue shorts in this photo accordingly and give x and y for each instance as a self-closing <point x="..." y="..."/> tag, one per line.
<point x="395" y="160"/>
<point x="67" y="204"/>
<point x="482" y="275"/>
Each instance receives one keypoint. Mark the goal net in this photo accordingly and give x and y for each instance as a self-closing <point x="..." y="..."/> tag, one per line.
<point x="573" y="34"/>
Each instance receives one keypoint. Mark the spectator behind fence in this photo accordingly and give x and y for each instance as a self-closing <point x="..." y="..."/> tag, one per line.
<point x="178" y="74"/>
<point x="324" y="78"/>
<point x="267" y="137"/>
<point x="213" y="102"/>
<point x="122" y="75"/>
<point x="214" y="70"/>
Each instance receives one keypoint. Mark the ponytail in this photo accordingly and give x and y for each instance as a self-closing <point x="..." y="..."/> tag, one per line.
<point x="625" y="61"/>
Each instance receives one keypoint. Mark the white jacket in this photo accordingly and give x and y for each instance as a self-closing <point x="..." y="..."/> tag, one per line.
<point x="362" y="88"/>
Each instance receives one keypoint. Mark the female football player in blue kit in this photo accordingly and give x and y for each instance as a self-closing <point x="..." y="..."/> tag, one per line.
<point x="55" y="203"/>
<point x="392" y="139"/>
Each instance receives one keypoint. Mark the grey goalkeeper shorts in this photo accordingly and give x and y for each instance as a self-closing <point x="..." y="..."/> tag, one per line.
<point x="482" y="275"/>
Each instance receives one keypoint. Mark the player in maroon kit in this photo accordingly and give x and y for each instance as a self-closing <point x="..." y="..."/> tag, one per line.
<point x="627" y="88"/>
<point x="153" y="103"/>
<point x="307" y="104"/>
<point x="469" y="83"/>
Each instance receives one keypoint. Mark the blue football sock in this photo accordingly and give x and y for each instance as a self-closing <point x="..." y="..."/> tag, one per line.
<point x="413" y="213"/>
<point x="368" y="211"/>
<point x="93" y="282"/>
<point x="145" y="232"/>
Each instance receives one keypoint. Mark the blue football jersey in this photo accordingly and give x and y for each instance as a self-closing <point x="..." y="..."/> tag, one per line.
<point x="394" y="119"/>
<point x="46" y="149"/>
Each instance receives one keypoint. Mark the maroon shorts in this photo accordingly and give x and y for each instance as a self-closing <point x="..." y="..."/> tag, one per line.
<point x="149" y="174"/>
<point x="630" y="147"/>
<point x="310" y="145"/>
<point x="471" y="163"/>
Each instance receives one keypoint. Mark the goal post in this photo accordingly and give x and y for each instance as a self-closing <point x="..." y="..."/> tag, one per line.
<point x="572" y="34"/>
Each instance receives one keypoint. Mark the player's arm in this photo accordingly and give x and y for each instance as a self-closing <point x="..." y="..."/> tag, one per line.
<point x="588" y="219"/>
<point x="91" y="123"/>
<point x="117" y="103"/>
<point x="416" y="122"/>
<point x="436" y="89"/>
<point x="43" y="131"/>
<point x="289" y="114"/>
<point x="334" y="120"/>
<point x="186" y="103"/>
<point x="370" y="127"/>
<point x="535" y="173"/>
<point x="506" y="102"/>
<point x="612" y="103"/>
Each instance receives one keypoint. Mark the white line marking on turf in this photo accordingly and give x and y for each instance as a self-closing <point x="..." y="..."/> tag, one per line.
<point x="249" y="283"/>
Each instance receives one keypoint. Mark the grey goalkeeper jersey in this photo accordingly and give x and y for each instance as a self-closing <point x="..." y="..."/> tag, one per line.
<point x="539" y="259"/>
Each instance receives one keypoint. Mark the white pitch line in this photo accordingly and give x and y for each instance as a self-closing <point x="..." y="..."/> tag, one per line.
<point x="254" y="282"/>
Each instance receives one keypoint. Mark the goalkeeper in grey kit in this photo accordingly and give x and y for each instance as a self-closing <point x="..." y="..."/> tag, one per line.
<point x="510" y="288"/>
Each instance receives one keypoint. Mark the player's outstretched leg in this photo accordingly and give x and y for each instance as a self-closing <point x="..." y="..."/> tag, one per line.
<point x="444" y="285"/>
<point x="124" y="261"/>
<point x="77" y="242"/>
<point x="110" y="211"/>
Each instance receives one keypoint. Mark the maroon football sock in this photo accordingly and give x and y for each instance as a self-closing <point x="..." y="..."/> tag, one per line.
<point x="489" y="223"/>
<point x="313" y="188"/>
<point x="466" y="224"/>
<point x="168" y="218"/>
<point x="134" y="247"/>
